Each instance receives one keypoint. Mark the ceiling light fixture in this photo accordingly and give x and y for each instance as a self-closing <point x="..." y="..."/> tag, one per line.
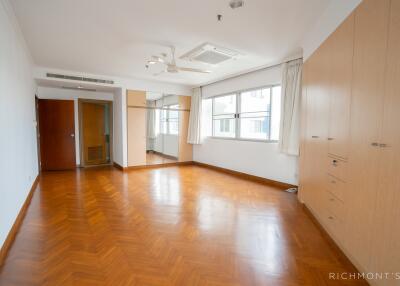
<point x="236" y="4"/>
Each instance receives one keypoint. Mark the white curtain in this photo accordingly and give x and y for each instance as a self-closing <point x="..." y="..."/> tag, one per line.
<point x="151" y="123"/>
<point x="289" y="136"/>
<point x="194" y="135"/>
<point x="151" y="128"/>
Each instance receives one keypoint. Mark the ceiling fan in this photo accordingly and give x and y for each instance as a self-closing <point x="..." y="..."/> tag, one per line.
<point x="171" y="67"/>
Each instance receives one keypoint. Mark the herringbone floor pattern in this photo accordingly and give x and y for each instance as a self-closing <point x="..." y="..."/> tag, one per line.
<point x="173" y="226"/>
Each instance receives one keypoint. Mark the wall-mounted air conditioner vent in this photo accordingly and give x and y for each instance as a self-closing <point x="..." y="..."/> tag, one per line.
<point x="210" y="54"/>
<point x="79" y="78"/>
<point x="78" y="88"/>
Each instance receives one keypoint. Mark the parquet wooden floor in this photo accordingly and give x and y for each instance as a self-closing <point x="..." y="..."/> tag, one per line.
<point x="184" y="225"/>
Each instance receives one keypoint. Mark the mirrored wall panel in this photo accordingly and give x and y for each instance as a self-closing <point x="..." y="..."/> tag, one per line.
<point x="162" y="120"/>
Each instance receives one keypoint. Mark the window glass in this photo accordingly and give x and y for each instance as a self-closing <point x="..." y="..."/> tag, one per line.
<point x="275" y="112"/>
<point x="224" y="126"/>
<point x="225" y="104"/>
<point x="253" y="114"/>
<point x="255" y="100"/>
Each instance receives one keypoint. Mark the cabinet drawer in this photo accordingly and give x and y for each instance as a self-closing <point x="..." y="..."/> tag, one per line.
<point x="335" y="206"/>
<point x="334" y="225"/>
<point x="335" y="186"/>
<point x="337" y="168"/>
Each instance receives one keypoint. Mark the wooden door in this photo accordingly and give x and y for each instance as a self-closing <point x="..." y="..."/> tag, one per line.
<point x="386" y="224"/>
<point x="57" y="134"/>
<point x="340" y="87"/>
<point x="136" y="136"/>
<point x="370" y="47"/>
<point x="94" y="147"/>
<point x="317" y="107"/>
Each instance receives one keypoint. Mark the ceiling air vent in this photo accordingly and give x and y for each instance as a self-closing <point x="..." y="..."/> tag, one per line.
<point x="210" y="54"/>
<point x="79" y="78"/>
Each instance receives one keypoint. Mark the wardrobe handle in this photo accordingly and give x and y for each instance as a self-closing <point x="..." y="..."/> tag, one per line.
<point x="330" y="217"/>
<point x="314" y="136"/>
<point x="332" y="200"/>
<point x="334" y="162"/>
<point x="374" y="144"/>
<point x="330" y="138"/>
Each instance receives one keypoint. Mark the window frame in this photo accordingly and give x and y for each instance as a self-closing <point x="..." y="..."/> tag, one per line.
<point x="237" y="117"/>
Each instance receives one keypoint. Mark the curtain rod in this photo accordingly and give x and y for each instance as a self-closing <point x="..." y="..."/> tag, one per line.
<point x="249" y="72"/>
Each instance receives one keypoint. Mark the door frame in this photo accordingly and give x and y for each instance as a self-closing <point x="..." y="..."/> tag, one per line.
<point x="80" y="122"/>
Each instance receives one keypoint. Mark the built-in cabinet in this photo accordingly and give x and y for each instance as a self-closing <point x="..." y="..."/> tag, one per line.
<point x="350" y="145"/>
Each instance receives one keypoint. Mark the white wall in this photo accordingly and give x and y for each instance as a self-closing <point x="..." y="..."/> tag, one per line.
<point x="334" y="15"/>
<point x="18" y="164"/>
<point x="255" y="158"/>
<point x="69" y="94"/>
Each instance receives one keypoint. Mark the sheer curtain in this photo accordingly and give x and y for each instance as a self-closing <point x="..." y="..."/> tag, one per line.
<point x="194" y="134"/>
<point x="289" y="136"/>
<point x="151" y="128"/>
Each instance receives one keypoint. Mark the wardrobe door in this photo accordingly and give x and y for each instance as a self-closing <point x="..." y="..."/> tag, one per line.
<point x="136" y="118"/>
<point x="387" y="232"/>
<point x="317" y="125"/>
<point x="340" y="88"/>
<point x="303" y="160"/>
<point x="370" y="44"/>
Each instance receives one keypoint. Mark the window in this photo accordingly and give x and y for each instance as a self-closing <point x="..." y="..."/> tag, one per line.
<point x="224" y="111"/>
<point x="169" y="120"/>
<point x="252" y="114"/>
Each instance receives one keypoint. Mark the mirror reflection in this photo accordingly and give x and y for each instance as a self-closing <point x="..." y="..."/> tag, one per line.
<point x="157" y="125"/>
<point x="162" y="130"/>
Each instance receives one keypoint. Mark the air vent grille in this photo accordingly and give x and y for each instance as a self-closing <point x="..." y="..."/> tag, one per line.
<point x="211" y="57"/>
<point x="79" y="88"/>
<point x="79" y="78"/>
<point x="210" y="54"/>
<point x="95" y="153"/>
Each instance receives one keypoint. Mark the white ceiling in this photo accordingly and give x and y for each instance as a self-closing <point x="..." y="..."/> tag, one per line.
<point x="117" y="37"/>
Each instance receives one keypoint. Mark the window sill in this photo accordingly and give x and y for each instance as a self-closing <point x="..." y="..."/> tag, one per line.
<point x="243" y="139"/>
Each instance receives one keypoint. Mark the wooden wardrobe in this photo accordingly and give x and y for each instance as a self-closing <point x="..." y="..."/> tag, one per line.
<point x="350" y="137"/>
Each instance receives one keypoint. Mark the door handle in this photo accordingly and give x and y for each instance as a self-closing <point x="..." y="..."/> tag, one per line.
<point x="72" y="135"/>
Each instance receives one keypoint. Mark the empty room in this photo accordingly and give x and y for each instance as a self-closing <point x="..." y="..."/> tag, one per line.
<point x="200" y="143"/>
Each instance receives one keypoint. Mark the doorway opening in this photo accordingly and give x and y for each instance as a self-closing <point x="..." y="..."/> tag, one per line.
<point x="95" y="122"/>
